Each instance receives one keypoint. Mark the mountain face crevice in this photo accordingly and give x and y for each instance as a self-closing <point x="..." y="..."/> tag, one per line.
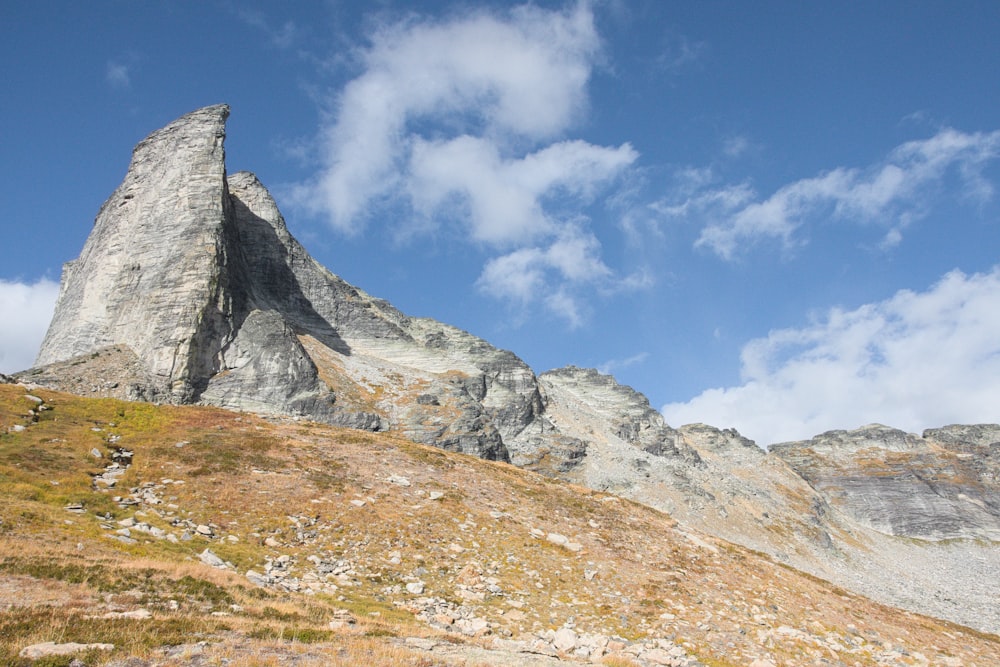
<point x="190" y="289"/>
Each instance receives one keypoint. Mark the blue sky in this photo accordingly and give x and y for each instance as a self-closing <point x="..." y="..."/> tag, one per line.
<point x="779" y="217"/>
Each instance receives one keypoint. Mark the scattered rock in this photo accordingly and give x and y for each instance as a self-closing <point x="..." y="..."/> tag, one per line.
<point x="209" y="558"/>
<point x="46" y="649"/>
<point x="135" y="614"/>
<point x="422" y="643"/>
<point x="259" y="579"/>
<point x="564" y="640"/>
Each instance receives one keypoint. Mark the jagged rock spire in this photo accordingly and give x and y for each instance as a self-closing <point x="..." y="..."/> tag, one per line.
<point x="150" y="274"/>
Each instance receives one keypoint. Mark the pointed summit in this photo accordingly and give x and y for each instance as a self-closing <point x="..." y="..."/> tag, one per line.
<point x="149" y="276"/>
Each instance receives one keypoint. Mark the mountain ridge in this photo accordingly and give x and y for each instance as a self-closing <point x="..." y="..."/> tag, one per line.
<point x="191" y="289"/>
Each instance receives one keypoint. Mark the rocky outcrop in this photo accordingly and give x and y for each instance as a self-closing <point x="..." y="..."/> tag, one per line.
<point x="152" y="272"/>
<point x="944" y="485"/>
<point x="191" y="280"/>
<point x="621" y="410"/>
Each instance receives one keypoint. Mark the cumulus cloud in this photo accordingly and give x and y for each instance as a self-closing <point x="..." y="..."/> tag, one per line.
<point x="914" y="361"/>
<point x="503" y="197"/>
<point x="524" y="275"/>
<point x="503" y="78"/>
<point x="25" y="312"/>
<point x="459" y="126"/>
<point x="890" y="193"/>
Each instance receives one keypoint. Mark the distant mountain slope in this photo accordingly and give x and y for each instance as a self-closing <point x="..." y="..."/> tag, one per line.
<point x="190" y="289"/>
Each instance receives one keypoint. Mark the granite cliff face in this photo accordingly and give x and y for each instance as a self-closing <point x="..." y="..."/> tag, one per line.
<point x="190" y="289"/>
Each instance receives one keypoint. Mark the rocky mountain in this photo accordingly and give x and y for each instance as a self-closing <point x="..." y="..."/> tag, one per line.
<point x="191" y="280"/>
<point x="190" y="289"/>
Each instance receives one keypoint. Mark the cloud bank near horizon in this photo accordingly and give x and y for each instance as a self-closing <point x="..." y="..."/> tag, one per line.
<point x="916" y="360"/>
<point x="27" y="309"/>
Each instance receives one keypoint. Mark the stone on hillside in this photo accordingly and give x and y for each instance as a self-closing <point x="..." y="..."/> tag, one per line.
<point x="658" y="656"/>
<point x="135" y="614"/>
<point x="398" y="480"/>
<point x="49" y="649"/>
<point x="209" y="558"/>
<point x="556" y="538"/>
<point x="259" y="579"/>
<point x="564" y="640"/>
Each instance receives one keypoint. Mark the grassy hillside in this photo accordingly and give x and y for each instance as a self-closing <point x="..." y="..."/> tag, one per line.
<point x="368" y="549"/>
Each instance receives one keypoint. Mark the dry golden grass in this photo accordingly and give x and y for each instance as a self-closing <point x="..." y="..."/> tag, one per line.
<point x="636" y="575"/>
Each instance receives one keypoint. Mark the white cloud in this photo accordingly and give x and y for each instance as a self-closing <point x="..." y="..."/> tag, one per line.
<point x="502" y="198"/>
<point x="914" y="361"/>
<point x="25" y="312"/>
<point x="734" y="147"/>
<point x="891" y="193"/>
<point x="612" y="365"/>
<point x="463" y="121"/>
<point x="508" y="79"/>
<point x="117" y="75"/>
<point x="680" y="52"/>
<point x="552" y="276"/>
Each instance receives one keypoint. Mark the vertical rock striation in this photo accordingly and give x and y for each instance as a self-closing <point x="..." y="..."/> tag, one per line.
<point x="152" y="274"/>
